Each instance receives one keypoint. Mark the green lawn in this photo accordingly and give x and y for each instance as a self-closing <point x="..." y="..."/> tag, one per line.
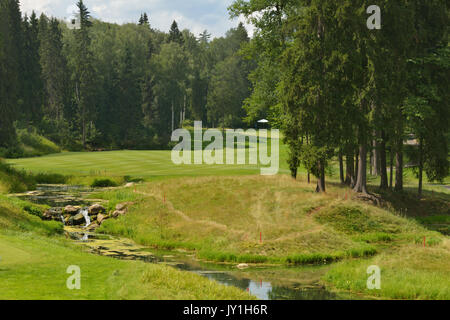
<point x="34" y="258"/>
<point x="140" y="164"/>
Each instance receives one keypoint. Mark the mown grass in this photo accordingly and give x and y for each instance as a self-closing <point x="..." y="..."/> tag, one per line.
<point x="149" y="165"/>
<point x="35" y="258"/>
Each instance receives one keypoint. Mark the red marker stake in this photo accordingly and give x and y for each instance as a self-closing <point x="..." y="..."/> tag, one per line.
<point x="424" y="242"/>
<point x="260" y="237"/>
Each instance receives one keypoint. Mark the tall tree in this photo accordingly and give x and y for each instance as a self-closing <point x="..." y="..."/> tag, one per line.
<point x="54" y="68"/>
<point x="175" y="34"/>
<point x="11" y="36"/>
<point x="32" y="85"/>
<point x="84" y="74"/>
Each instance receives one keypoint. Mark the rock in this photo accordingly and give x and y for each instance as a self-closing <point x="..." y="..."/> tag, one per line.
<point x="53" y="214"/>
<point x="101" y="218"/>
<point x="242" y="266"/>
<point x="129" y="185"/>
<point x="92" y="227"/>
<point x="71" y="210"/>
<point x="78" y="219"/>
<point x="121" y="206"/>
<point x="96" y="209"/>
<point x="118" y="213"/>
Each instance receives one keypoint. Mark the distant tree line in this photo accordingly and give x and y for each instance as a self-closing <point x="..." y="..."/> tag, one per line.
<point x="337" y="89"/>
<point x="342" y="91"/>
<point x="106" y="86"/>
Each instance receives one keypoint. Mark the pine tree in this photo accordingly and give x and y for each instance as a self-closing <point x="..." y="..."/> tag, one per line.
<point x="54" y="68"/>
<point x="11" y="36"/>
<point x="175" y="35"/>
<point x="84" y="74"/>
<point x="32" y="85"/>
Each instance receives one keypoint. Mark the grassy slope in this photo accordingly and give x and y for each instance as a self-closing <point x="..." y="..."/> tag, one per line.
<point x="286" y="212"/>
<point x="222" y="217"/>
<point x="34" y="257"/>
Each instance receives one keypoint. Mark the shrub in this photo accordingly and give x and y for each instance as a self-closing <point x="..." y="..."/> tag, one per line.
<point x="103" y="183"/>
<point x="35" y="144"/>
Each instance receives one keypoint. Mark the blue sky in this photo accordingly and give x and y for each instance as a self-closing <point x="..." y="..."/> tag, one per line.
<point x="196" y="15"/>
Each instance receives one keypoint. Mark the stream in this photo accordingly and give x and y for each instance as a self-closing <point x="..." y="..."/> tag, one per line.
<point x="264" y="282"/>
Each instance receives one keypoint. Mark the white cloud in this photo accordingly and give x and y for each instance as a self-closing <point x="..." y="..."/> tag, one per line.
<point x="196" y="15"/>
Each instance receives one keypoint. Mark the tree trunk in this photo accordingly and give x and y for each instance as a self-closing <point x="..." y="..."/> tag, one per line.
<point x="375" y="157"/>
<point x="173" y="117"/>
<point x="309" y="173"/>
<point x="341" y="168"/>
<point x="361" y="182"/>
<point x="391" y="173"/>
<point x="350" y="170"/>
<point x="294" y="173"/>
<point x="371" y="163"/>
<point x="321" y="178"/>
<point x="356" y="168"/>
<point x="420" y="169"/>
<point x="383" y="164"/>
<point x="399" y="167"/>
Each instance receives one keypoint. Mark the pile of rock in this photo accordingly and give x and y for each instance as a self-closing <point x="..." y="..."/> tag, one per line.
<point x="73" y="215"/>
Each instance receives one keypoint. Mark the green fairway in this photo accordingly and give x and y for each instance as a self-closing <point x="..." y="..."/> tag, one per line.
<point x="142" y="164"/>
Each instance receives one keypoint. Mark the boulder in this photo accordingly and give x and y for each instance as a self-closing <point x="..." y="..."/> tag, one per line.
<point x="121" y="206"/>
<point x="92" y="227"/>
<point x="53" y="214"/>
<point x="71" y="210"/>
<point x="78" y="220"/>
<point x="242" y="266"/>
<point x="101" y="218"/>
<point x="129" y="185"/>
<point x="95" y="209"/>
<point x="118" y="213"/>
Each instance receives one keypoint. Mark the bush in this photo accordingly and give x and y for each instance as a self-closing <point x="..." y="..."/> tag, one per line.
<point x="15" y="181"/>
<point x="103" y="183"/>
<point x="35" y="145"/>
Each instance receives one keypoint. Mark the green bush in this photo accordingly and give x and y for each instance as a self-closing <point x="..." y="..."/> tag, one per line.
<point x="15" y="181"/>
<point x="103" y="183"/>
<point x="36" y="145"/>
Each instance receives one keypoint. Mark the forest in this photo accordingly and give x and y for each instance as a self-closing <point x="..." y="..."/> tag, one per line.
<point x="335" y="88"/>
<point x="105" y="86"/>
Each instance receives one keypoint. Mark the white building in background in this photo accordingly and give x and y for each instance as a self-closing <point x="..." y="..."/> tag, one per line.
<point x="74" y="22"/>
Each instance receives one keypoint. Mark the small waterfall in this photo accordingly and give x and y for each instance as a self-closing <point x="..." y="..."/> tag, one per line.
<point x="63" y="221"/>
<point x="85" y="213"/>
